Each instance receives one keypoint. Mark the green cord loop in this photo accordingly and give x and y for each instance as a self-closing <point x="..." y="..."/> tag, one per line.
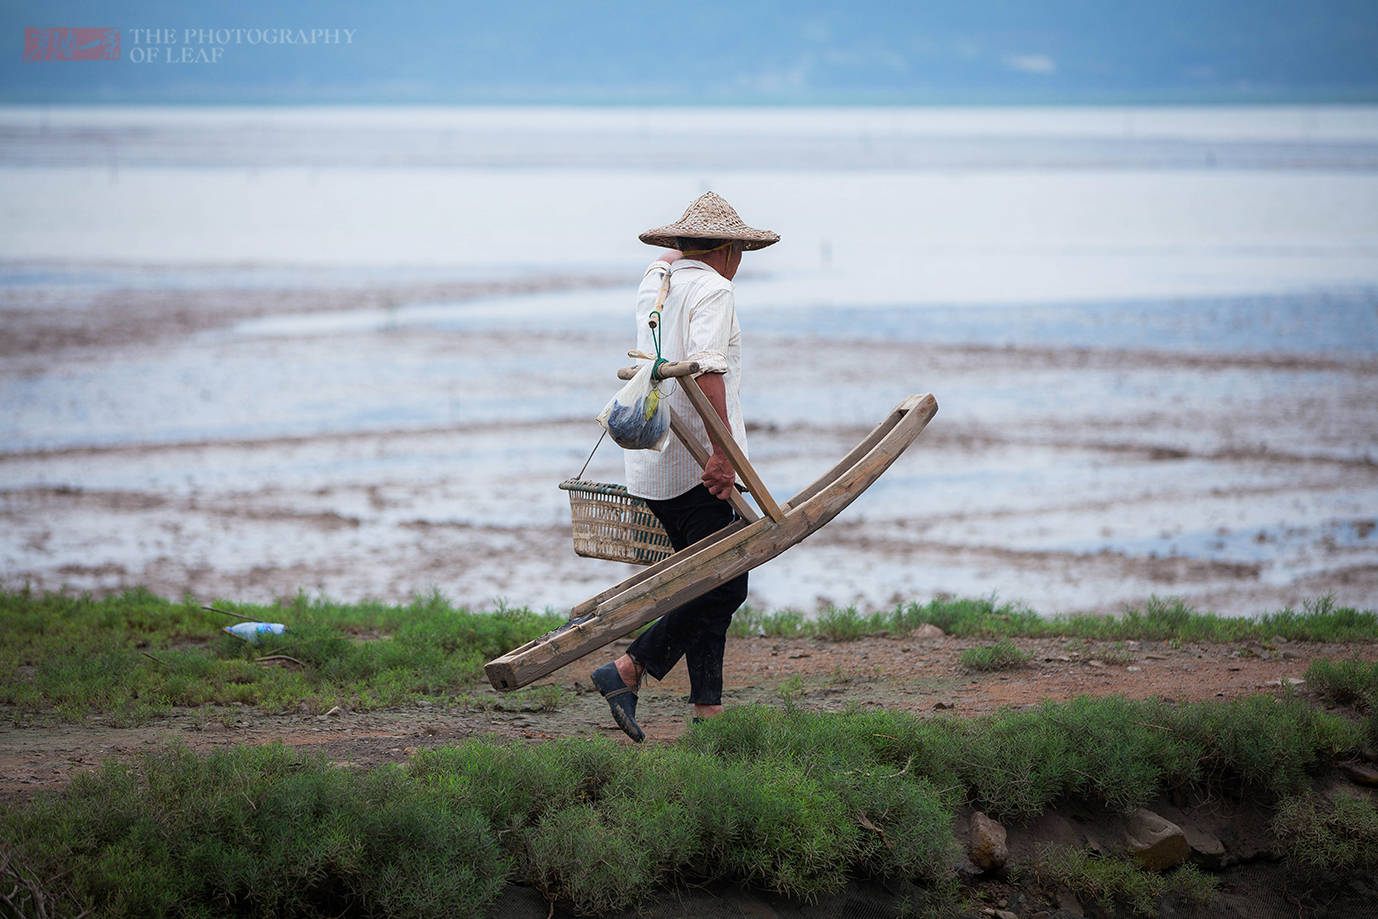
<point x="655" y="337"/>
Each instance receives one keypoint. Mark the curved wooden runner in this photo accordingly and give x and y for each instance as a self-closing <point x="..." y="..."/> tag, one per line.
<point x="695" y="570"/>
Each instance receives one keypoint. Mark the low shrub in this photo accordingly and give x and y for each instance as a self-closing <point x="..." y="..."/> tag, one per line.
<point x="1113" y="882"/>
<point x="257" y="831"/>
<point x="597" y="862"/>
<point x="1111" y="750"/>
<point x="773" y="824"/>
<point x="900" y="819"/>
<point x="1260" y="744"/>
<point x="1118" y="752"/>
<point x="1321" y="838"/>
<point x="1003" y="655"/>
<point x="778" y="798"/>
<point x="515" y="785"/>
<point x="1345" y="682"/>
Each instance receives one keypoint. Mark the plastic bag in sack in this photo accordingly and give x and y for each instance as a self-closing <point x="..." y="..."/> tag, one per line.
<point x="637" y="417"/>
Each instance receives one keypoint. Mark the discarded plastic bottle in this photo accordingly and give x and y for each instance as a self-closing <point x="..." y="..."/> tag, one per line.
<point x="253" y="632"/>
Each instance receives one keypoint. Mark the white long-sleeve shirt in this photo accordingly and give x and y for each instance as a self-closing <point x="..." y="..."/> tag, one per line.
<point x="698" y="323"/>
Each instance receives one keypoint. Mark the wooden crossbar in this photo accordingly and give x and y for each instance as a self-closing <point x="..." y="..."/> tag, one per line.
<point x="718" y="434"/>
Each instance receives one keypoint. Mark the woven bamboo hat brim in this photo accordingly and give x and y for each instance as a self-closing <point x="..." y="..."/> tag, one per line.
<point x="710" y="217"/>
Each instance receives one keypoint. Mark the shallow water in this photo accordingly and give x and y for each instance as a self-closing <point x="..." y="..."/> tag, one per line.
<point x="1154" y="372"/>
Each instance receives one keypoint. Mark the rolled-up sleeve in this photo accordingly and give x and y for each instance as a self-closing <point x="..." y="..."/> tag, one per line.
<point x="710" y="329"/>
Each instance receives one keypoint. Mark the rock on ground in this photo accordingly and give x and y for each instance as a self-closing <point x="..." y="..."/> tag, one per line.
<point x="987" y="849"/>
<point x="1206" y="850"/>
<point x="1155" y="841"/>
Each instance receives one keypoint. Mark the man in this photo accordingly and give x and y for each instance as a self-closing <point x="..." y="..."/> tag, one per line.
<point x="698" y="323"/>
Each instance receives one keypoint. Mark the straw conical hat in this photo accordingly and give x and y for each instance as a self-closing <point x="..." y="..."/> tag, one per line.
<point x="710" y="217"/>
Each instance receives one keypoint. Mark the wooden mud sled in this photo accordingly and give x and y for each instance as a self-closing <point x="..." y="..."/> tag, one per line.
<point x="609" y="523"/>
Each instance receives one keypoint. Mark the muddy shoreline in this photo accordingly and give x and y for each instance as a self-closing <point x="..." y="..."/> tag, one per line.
<point x="160" y="438"/>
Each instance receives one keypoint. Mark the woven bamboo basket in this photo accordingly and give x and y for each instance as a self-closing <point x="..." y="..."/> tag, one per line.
<point x="612" y="524"/>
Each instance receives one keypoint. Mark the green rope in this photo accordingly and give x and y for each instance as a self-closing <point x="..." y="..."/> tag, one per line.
<point x="655" y="337"/>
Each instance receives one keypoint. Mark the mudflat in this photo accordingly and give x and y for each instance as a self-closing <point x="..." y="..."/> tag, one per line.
<point x="389" y="438"/>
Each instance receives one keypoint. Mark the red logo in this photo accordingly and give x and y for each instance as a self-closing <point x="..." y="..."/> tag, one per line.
<point x="71" y="44"/>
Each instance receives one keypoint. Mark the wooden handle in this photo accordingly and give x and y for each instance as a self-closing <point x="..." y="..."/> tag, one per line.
<point x="700" y="456"/>
<point x="721" y="436"/>
<point x="672" y="369"/>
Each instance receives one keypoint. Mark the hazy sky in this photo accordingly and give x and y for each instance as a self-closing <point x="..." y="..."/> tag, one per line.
<point x="712" y="52"/>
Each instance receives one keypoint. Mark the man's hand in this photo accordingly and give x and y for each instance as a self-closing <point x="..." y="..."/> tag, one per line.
<point x="671" y="256"/>
<point x="719" y="476"/>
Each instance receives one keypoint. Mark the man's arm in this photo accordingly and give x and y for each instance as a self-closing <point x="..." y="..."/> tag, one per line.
<point x="718" y="473"/>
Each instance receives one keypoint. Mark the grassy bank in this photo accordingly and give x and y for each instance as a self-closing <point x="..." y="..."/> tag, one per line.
<point x="775" y="798"/>
<point x="1158" y="620"/>
<point x="1353" y="683"/>
<point x="134" y="656"/>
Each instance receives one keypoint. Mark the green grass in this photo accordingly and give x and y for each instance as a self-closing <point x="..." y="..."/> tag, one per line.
<point x="1322" y="837"/>
<point x="1113" y="882"/>
<point x="1158" y="620"/>
<point x="588" y="822"/>
<point x="1118" y="752"/>
<point x="256" y="830"/>
<point x="777" y="798"/>
<point x="1002" y="655"/>
<point x="1349" y="682"/>
<point x="1345" y="682"/>
<point x="749" y="622"/>
<point x="135" y="655"/>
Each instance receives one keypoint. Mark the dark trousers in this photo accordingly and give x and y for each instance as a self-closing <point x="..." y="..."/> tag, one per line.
<point x="696" y="631"/>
